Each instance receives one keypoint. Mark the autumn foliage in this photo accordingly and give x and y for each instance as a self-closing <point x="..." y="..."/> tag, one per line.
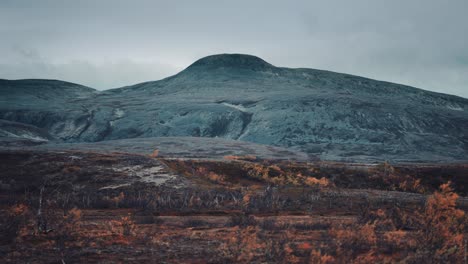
<point x="237" y="210"/>
<point x="441" y="236"/>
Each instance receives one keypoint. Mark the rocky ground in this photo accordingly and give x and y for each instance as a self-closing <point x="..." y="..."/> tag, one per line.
<point x="240" y="97"/>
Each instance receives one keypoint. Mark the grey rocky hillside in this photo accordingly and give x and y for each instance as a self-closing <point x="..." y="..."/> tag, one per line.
<point x="241" y="97"/>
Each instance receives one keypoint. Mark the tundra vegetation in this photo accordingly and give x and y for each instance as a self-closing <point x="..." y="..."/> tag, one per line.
<point x="78" y="207"/>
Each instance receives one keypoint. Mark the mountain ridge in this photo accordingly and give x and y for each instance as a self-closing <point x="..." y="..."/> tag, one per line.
<point x="234" y="60"/>
<point x="235" y="96"/>
<point x="221" y="56"/>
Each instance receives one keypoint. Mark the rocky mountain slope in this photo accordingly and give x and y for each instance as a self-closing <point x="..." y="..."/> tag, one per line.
<point x="241" y="97"/>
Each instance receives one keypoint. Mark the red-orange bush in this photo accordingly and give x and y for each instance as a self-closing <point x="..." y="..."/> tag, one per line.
<point x="441" y="232"/>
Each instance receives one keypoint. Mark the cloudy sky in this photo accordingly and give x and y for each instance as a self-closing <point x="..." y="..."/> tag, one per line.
<point x="111" y="43"/>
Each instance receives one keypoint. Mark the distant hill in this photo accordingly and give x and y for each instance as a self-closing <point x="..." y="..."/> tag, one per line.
<point x="241" y="97"/>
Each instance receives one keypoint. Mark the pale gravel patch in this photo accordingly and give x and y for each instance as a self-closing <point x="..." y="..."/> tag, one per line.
<point x="115" y="186"/>
<point x="156" y="175"/>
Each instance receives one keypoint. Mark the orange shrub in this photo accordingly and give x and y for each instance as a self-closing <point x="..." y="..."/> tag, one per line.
<point x="18" y="209"/>
<point x="317" y="257"/>
<point x="123" y="228"/>
<point x="155" y="153"/>
<point x="67" y="228"/>
<point x="353" y="240"/>
<point x="244" y="246"/>
<point x="411" y="185"/>
<point x="18" y="223"/>
<point x="231" y="157"/>
<point x="441" y="235"/>
<point x="118" y="199"/>
<point x="312" y="181"/>
<point x="216" y="177"/>
<point x="245" y="157"/>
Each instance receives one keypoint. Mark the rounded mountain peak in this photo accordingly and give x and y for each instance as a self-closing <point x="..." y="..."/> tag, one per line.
<point x="238" y="61"/>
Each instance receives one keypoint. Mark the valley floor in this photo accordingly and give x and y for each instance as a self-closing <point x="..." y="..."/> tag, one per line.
<point x="74" y="206"/>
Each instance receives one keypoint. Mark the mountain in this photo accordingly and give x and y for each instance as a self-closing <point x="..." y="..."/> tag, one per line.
<point x="241" y="97"/>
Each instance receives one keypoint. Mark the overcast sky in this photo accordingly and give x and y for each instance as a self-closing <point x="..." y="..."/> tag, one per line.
<point x="109" y="43"/>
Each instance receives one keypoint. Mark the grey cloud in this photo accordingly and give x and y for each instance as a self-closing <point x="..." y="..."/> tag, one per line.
<point x="103" y="75"/>
<point x="114" y="43"/>
<point x="108" y="75"/>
